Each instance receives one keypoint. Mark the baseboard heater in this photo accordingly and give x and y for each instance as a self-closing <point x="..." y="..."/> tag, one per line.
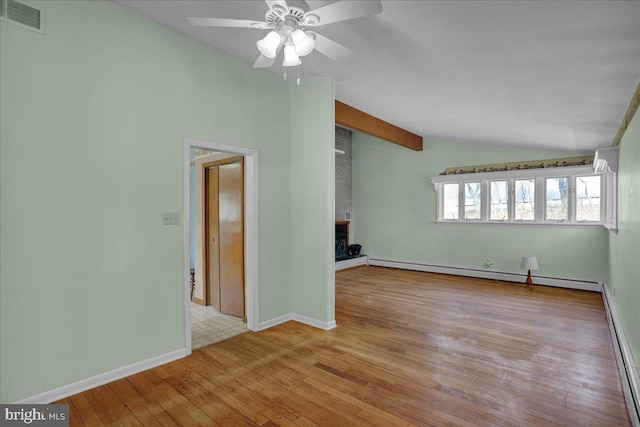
<point x="558" y="282"/>
<point x="628" y="369"/>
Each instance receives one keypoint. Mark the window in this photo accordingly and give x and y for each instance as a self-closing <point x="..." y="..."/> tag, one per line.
<point x="450" y="203"/>
<point x="588" y="198"/>
<point x="571" y="195"/>
<point x="525" y="202"/>
<point x="472" y="201"/>
<point x="557" y="199"/>
<point x="499" y="200"/>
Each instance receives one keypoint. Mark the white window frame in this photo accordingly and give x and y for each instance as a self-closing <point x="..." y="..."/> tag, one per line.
<point x="607" y="195"/>
<point x="536" y="185"/>
<point x="509" y="200"/>
<point x="610" y="202"/>
<point x="575" y="200"/>
<point x="463" y="198"/>
<point x="441" y="201"/>
<point x="569" y="201"/>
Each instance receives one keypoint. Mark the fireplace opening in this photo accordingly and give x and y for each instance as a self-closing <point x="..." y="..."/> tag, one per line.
<point x="342" y="240"/>
<point x="344" y="249"/>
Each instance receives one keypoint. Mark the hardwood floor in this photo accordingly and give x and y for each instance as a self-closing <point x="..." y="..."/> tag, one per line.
<point x="410" y="348"/>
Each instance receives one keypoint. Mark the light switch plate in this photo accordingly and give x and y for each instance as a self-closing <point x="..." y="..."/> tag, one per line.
<point x="170" y="218"/>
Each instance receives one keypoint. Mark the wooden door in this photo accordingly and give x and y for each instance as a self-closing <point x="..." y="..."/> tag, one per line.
<point x="230" y="222"/>
<point x="212" y="233"/>
<point x="224" y="191"/>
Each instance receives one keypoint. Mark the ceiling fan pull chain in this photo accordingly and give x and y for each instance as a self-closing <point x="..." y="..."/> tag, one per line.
<point x="284" y="77"/>
<point x="298" y="81"/>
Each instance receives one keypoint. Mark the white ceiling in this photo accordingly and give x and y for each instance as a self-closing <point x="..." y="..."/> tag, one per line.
<point x="552" y="74"/>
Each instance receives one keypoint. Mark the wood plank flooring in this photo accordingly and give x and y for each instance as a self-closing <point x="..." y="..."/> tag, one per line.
<point x="410" y="348"/>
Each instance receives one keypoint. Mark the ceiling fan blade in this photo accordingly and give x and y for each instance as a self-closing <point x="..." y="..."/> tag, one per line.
<point x="343" y="11"/>
<point x="331" y="49"/>
<point x="221" y="22"/>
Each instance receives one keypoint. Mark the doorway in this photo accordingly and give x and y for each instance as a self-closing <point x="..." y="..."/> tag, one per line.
<point x="249" y="242"/>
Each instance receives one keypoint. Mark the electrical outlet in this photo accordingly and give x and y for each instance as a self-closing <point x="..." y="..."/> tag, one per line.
<point x="170" y="218"/>
<point x="488" y="263"/>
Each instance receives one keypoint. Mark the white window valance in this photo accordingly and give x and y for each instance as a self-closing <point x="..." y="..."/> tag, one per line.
<point x="524" y="165"/>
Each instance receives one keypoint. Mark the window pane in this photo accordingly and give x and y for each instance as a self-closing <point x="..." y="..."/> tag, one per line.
<point x="499" y="200"/>
<point x="557" y="200"/>
<point x="450" y="198"/>
<point x="525" y="199"/>
<point x="588" y="198"/>
<point x="472" y="194"/>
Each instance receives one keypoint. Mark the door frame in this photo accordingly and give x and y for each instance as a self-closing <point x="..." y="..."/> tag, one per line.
<point x="250" y="229"/>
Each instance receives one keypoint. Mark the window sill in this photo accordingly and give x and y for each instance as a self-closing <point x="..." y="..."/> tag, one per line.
<point x="527" y="223"/>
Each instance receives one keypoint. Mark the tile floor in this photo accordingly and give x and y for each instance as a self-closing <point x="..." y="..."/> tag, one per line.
<point x="208" y="326"/>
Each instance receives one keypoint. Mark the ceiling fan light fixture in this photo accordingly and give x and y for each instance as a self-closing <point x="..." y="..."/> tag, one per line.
<point x="291" y="58"/>
<point x="287" y="27"/>
<point x="304" y="44"/>
<point x="268" y="46"/>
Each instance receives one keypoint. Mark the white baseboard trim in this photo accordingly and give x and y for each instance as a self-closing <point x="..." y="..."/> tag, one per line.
<point x="350" y="263"/>
<point x="584" y="285"/>
<point x="125" y="371"/>
<point x="274" y="322"/>
<point x="629" y="376"/>
<point x="314" y="322"/>
<point x="298" y="318"/>
<point x="107" y="377"/>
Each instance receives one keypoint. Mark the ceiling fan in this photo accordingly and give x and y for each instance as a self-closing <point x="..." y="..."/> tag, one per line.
<point x="288" y="25"/>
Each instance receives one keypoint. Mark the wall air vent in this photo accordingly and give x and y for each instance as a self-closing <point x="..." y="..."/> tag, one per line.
<point x="23" y="14"/>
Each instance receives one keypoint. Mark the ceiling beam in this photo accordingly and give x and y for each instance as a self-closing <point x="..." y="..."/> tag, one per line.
<point x="355" y="119"/>
<point x="631" y="110"/>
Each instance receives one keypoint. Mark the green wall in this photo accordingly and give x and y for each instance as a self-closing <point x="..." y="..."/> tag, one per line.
<point x="312" y="172"/>
<point x="93" y="116"/>
<point x="624" y="247"/>
<point x="395" y="213"/>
